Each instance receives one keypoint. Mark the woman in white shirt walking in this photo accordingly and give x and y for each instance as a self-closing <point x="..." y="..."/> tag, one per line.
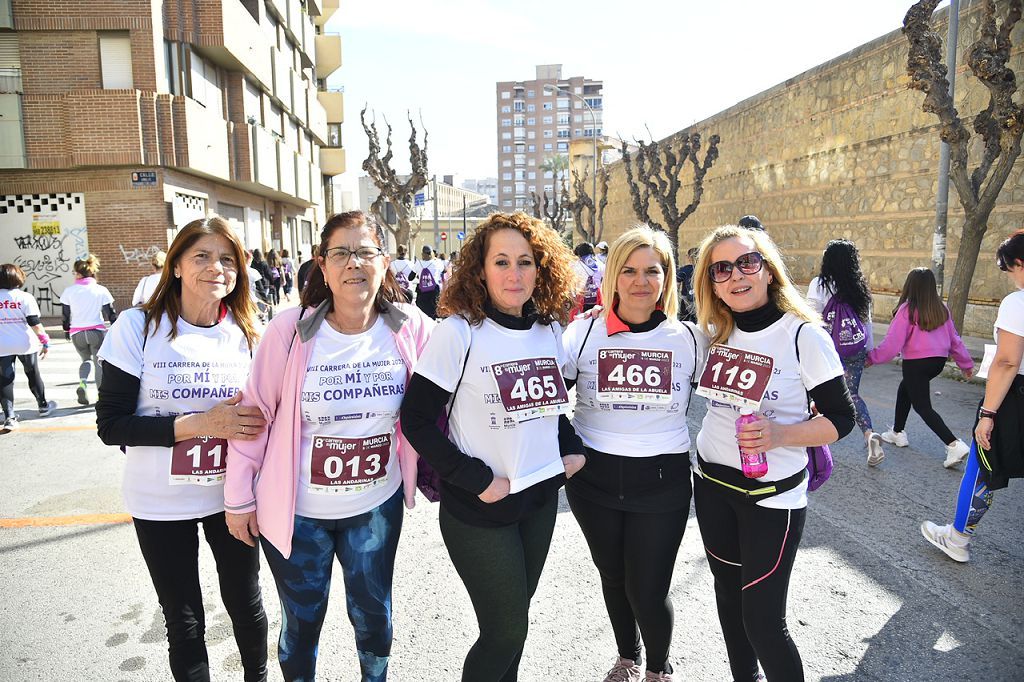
<point x="22" y="337"/>
<point x="85" y="304"/>
<point x="147" y="285"/>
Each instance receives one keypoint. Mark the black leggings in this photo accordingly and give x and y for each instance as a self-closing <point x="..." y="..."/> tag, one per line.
<point x="915" y="391"/>
<point x="750" y="551"/>
<point x="635" y="553"/>
<point x="29" y="363"/>
<point x="500" y="568"/>
<point x="171" y="550"/>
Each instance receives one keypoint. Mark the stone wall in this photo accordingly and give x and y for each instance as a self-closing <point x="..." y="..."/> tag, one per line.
<point x="844" y="150"/>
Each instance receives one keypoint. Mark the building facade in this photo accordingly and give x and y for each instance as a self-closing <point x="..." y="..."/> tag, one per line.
<point x="488" y="186"/>
<point x="537" y="120"/>
<point x="122" y="122"/>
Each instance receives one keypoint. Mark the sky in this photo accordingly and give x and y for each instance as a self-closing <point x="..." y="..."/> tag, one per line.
<point x="664" y="64"/>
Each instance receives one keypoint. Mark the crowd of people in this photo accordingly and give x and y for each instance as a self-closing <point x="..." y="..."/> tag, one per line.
<point x="488" y="381"/>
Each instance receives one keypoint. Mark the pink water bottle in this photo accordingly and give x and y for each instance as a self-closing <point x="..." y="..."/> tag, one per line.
<point x="755" y="464"/>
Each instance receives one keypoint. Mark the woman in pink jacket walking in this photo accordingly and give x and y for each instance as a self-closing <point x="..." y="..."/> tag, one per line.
<point x="923" y="332"/>
<point x="328" y="477"/>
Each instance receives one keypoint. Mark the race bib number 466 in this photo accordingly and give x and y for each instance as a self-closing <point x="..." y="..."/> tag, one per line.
<point x="735" y="376"/>
<point x="634" y="375"/>
<point x="199" y="461"/>
<point x="348" y="465"/>
<point x="531" y="388"/>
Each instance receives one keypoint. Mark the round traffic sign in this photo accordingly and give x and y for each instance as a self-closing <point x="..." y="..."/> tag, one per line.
<point x="444" y="235"/>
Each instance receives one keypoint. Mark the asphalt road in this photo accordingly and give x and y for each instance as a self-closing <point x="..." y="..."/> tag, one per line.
<point x="869" y="600"/>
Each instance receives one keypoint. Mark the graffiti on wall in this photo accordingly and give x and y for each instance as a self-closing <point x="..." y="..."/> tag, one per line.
<point x="138" y="255"/>
<point x="44" y="234"/>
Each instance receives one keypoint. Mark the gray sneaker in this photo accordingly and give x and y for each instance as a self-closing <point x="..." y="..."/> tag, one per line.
<point x="45" y="410"/>
<point x="624" y="670"/>
<point x="875" y="452"/>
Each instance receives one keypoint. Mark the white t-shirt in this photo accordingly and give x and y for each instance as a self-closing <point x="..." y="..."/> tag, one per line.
<point x="145" y="289"/>
<point x="819" y="295"/>
<point x="785" y="400"/>
<point x="16" y="337"/>
<point x="351" y="395"/>
<point x="1011" y="318"/>
<point x="435" y="266"/>
<point x="404" y="271"/>
<point x="482" y="424"/>
<point x="86" y="299"/>
<point x="193" y="372"/>
<point x="649" y="417"/>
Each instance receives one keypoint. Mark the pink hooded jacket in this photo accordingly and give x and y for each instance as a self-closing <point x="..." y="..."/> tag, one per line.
<point x="262" y="474"/>
<point x="914" y="343"/>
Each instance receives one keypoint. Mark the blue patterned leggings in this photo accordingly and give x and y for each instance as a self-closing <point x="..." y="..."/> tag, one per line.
<point x="365" y="546"/>
<point x="853" y="368"/>
<point x="974" y="498"/>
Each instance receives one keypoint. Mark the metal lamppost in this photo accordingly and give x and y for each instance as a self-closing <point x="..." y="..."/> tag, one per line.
<point x="593" y="119"/>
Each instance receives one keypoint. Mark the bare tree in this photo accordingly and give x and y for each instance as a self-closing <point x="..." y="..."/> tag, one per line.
<point x="1000" y="124"/>
<point x="590" y="228"/>
<point x="392" y="189"/>
<point x="653" y="173"/>
<point x="555" y="208"/>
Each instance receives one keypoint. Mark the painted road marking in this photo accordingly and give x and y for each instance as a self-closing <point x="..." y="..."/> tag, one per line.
<point x="79" y="520"/>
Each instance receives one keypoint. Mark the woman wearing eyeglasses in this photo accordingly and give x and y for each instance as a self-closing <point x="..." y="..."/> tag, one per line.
<point x="751" y="527"/>
<point x="328" y="477"/>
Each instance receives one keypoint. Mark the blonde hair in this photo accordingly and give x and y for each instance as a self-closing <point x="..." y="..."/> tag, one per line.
<point x="88" y="266"/>
<point x="158" y="259"/>
<point x="641" y="236"/>
<point x="713" y="315"/>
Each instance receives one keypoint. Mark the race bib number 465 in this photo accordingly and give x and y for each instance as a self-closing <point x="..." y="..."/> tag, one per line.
<point x="634" y="375"/>
<point x="199" y="461"/>
<point x="735" y="376"/>
<point x="531" y="388"/>
<point x="348" y="465"/>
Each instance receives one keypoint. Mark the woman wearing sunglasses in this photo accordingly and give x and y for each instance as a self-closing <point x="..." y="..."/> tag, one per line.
<point x="751" y="527"/>
<point x="328" y="476"/>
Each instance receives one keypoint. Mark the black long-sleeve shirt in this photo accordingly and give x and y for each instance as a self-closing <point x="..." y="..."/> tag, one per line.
<point x="116" y="421"/>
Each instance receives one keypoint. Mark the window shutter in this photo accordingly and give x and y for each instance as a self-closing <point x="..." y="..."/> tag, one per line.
<point x="116" y="61"/>
<point x="9" y="58"/>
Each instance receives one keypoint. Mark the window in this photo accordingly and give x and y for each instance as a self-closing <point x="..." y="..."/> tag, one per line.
<point x="578" y="90"/>
<point x="520" y="159"/>
<point x="519" y="133"/>
<point x="563" y="132"/>
<point x="578" y="118"/>
<point x="594" y="102"/>
<point x="532" y="121"/>
<point x="205" y="83"/>
<point x="507" y="202"/>
<point x="531" y="108"/>
<point x="506" y="149"/>
<point x="563" y="146"/>
<point x="116" y="60"/>
<point x="519" y="122"/>
<point x="549" y="188"/>
<point x="506" y="109"/>
<point x="517" y="106"/>
<point x="547" y="146"/>
<point x="531" y="148"/>
<point x="532" y="175"/>
<point x="563" y="102"/>
<point x="520" y="175"/>
<point x="577" y="132"/>
<point x="506" y="135"/>
<point x="520" y="147"/>
<point x="548" y="106"/>
<point x="520" y="188"/>
<point x="549" y="133"/>
<point x="532" y="188"/>
<point x="548" y="175"/>
<point x="530" y="94"/>
<point x="531" y="162"/>
<point x="547" y="120"/>
<point x="506" y="122"/>
<point x="506" y="95"/>
<point x="506" y="176"/>
<point x="563" y="119"/>
<point x="506" y="163"/>
<point x="530" y="135"/>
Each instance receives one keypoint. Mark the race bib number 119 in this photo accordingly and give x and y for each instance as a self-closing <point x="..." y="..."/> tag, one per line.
<point x="735" y="376"/>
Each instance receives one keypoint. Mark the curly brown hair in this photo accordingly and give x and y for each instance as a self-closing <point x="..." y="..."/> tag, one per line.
<point x="555" y="292"/>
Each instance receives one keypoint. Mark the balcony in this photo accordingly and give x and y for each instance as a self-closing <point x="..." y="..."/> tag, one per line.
<point x="282" y="90"/>
<point x="307" y="49"/>
<point x="328" y="54"/>
<point x="233" y="39"/>
<point x="303" y="178"/>
<point x="332" y="160"/>
<point x="301" y="97"/>
<point x="286" y="167"/>
<point x="264" y="145"/>
<point x="333" y="102"/>
<point x="327" y="10"/>
<point x="317" y="117"/>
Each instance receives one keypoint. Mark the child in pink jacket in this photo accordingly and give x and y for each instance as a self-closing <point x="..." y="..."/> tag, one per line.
<point x="922" y="332"/>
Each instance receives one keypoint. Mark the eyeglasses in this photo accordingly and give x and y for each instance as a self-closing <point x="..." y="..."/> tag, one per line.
<point x="340" y="255"/>
<point x="749" y="264"/>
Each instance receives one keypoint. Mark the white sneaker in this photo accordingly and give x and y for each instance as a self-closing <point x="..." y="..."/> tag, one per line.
<point x="11" y="423"/>
<point x="45" y="410"/>
<point x="956" y="453"/>
<point x="624" y="670"/>
<point x="948" y="540"/>
<point x="875" y="452"/>
<point x="897" y="438"/>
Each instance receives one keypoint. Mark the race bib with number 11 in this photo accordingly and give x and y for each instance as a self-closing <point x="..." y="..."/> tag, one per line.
<point x="199" y="461"/>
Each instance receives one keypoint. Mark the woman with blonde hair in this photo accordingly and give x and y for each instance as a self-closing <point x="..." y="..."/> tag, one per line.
<point x="633" y="367"/>
<point x="173" y="371"/>
<point x="147" y="285"/>
<point x="84" y="306"/>
<point x="498" y="358"/>
<point x="751" y="519"/>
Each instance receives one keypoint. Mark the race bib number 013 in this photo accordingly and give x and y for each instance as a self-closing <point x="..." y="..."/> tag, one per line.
<point x="199" y="461"/>
<point x="531" y="388"/>
<point x="735" y="376"/>
<point x="634" y="375"/>
<point x="342" y="466"/>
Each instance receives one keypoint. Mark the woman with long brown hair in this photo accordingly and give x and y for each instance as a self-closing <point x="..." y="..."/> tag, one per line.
<point x="22" y="337"/>
<point x="169" y="397"/>
<point x="922" y="332"/>
<point x="498" y="358"/>
<point x="328" y="478"/>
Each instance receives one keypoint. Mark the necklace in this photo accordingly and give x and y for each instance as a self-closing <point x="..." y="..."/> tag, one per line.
<point x="333" y="321"/>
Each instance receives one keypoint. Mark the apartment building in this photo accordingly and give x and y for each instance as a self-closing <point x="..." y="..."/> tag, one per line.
<point x="120" y="122"/>
<point x="537" y="120"/>
<point x="488" y="186"/>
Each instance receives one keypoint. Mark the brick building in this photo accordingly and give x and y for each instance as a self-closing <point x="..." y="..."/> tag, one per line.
<point x="122" y="121"/>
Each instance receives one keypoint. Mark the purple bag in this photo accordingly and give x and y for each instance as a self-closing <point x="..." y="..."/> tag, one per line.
<point x="849" y="335"/>
<point x="819" y="457"/>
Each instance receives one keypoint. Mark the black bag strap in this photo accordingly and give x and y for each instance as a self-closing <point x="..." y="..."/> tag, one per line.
<point x="693" y="375"/>
<point x="582" y="345"/>
<point x="797" y="343"/>
<point x="451" y="403"/>
<point x="295" y="331"/>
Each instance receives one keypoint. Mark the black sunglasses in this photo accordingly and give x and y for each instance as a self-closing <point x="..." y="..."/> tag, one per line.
<point x="749" y="264"/>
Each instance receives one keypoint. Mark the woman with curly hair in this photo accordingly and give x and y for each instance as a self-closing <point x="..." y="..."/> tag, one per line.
<point x="497" y="358"/>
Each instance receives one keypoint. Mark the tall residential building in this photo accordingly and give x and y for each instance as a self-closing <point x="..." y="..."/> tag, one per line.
<point x="537" y="120"/>
<point x="488" y="186"/>
<point x="121" y="122"/>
